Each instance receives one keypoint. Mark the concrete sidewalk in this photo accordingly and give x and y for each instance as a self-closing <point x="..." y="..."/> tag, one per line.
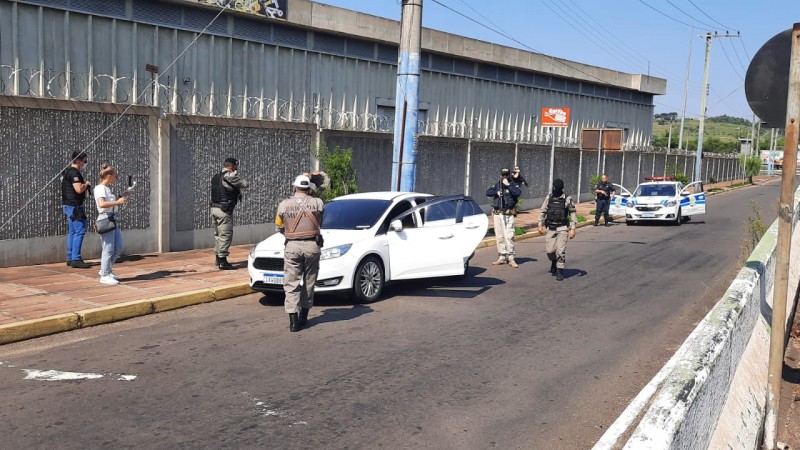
<point x="50" y="298"/>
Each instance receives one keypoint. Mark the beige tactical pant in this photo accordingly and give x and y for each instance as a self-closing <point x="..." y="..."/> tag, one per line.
<point x="300" y="262"/>
<point x="504" y="232"/>
<point x="556" y="245"/>
<point x="223" y="231"/>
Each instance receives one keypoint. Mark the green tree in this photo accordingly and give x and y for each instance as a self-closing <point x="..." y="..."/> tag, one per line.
<point x="751" y="165"/>
<point x="338" y="164"/>
<point x="673" y="171"/>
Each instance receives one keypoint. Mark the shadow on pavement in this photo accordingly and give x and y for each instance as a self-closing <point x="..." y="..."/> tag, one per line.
<point x="569" y="273"/>
<point x="156" y="275"/>
<point x="133" y="258"/>
<point x="337" y="315"/>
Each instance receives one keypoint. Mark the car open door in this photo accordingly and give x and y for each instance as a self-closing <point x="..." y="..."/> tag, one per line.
<point x="620" y="201"/>
<point x="432" y="246"/>
<point x="692" y="202"/>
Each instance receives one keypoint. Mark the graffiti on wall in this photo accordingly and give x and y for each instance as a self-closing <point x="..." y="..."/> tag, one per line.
<point x="272" y="9"/>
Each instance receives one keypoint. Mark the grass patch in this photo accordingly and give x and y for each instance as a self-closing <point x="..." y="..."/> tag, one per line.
<point x="581" y="219"/>
<point x="518" y="231"/>
<point x="592" y="212"/>
<point x="715" y="190"/>
<point x="754" y="229"/>
<point x="740" y="184"/>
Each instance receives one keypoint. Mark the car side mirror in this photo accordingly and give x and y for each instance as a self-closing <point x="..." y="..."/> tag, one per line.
<point x="625" y="195"/>
<point x="685" y="194"/>
<point x="396" y="225"/>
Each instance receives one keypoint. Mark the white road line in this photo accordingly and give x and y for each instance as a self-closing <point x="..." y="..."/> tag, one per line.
<point x="58" y="375"/>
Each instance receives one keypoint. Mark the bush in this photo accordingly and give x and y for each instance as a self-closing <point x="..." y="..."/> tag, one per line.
<point x="518" y="231"/>
<point x="338" y="164"/>
<point x="673" y="171"/>
<point x="751" y="165"/>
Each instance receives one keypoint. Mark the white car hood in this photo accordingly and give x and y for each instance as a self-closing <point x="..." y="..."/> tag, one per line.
<point x="649" y="200"/>
<point x="332" y="238"/>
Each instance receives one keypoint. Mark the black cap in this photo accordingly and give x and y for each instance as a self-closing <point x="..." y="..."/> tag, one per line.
<point x="505" y="172"/>
<point x="231" y="162"/>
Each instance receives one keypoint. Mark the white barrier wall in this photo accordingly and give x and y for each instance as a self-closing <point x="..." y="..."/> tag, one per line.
<point x="712" y="393"/>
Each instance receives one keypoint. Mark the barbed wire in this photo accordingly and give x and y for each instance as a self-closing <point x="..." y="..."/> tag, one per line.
<point x="107" y="88"/>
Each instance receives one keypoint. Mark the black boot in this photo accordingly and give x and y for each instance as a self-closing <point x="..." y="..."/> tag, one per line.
<point x="559" y="274"/>
<point x="608" y="222"/>
<point x="303" y="319"/>
<point x="294" y="325"/>
<point x="552" y="267"/>
<point x="596" y="222"/>
<point x="223" y="264"/>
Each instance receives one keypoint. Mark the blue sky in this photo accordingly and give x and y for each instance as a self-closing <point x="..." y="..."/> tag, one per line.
<point x="623" y="35"/>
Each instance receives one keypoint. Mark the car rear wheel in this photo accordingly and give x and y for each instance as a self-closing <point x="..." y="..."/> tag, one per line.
<point x="369" y="280"/>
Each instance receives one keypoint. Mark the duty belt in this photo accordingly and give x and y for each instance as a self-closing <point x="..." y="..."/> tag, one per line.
<point x="219" y="205"/>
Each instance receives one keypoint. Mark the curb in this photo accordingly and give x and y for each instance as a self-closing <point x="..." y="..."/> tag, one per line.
<point x="29" y="329"/>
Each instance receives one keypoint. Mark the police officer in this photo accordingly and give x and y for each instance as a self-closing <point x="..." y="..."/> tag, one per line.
<point x="558" y="215"/>
<point x="226" y="192"/>
<point x="605" y="193"/>
<point x="73" y="194"/>
<point x="504" y="194"/>
<point x="299" y="218"/>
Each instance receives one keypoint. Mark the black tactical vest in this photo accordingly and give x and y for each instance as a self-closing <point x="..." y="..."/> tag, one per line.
<point x="227" y="199"/>
<point x="557" y="213"/>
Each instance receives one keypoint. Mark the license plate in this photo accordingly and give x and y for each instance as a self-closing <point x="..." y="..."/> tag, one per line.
<point x="648" y="215"/>
<point x="274" y="278"/>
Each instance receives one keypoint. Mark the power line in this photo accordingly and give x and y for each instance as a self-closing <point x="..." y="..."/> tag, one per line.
<point x="630" y="50"/>
<point x="735" y="52"/>
<point x="664" y="14"/>
<point x="712" y="19"/>
<point x="505" y="35"/>
<point x="725" y="52"/>
<point x="689" y="15"/>
<point x="722" y="100"/>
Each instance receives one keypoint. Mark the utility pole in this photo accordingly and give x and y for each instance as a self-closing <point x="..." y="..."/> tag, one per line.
<point x="698" y="163"/>
<point x="407" y="98"/>
<point x="777" y="341"/>
<point x="669" y="137"/>
<point x="686" y="89"/>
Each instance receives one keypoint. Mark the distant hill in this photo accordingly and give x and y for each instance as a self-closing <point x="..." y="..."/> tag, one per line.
<point x="721" y="133"/>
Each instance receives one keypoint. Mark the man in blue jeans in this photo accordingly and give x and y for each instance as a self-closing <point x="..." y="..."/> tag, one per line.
<point x="73" y="194"/>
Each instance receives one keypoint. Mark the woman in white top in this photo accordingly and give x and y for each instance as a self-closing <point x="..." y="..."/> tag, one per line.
<point x="106" y="207"/>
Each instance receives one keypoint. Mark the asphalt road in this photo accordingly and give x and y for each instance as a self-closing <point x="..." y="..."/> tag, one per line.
<point x="504" y="358"/>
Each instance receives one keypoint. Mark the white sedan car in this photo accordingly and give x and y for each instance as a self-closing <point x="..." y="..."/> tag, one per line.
<point x="661" y="201"/>
<point x="379" y="237"/>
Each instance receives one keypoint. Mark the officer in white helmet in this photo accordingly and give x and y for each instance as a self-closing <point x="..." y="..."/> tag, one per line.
<point x="299" y="218"/>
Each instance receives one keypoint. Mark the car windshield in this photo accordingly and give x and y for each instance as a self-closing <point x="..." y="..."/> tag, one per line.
<point x="655" y="190"/>
<point x="355" y="214"/>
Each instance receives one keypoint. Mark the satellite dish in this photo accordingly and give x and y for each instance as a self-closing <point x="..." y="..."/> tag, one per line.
<point x="766" y="84"/>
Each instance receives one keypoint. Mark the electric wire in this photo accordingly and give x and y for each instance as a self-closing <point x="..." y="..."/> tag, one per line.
<point x="689" y="15"/>
<point x="517" y="41"/>
<point x="712" y="19"/>
<point x="736" y="53"/>
<point x="628" y="50"/>
<point x="727" y="58"/>
<point x="722" y="100"/>
<point x="667" y="15"/>
<point x="587" y="30"/>
<point x="114" y="122"/>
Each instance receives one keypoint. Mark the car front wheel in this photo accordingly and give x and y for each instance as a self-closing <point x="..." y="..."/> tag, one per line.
<point x="369" y="280"/>
<point x="678" y="218"/>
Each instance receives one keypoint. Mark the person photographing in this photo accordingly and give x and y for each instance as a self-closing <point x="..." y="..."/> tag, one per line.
<point x="226" y="191"/>
<point x="605" y="193"/>
<point x="504" y="196"/>
<point x="107" y="224"/>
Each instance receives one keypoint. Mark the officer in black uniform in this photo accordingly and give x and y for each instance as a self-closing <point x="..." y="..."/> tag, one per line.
<point x="605" y="193"/>
<point x="73" y="194"/>
<point x="226" y="191"/>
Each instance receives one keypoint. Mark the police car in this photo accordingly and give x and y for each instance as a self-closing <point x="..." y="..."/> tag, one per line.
<point x="379" y="237"/>
<point x="659" y="201"/>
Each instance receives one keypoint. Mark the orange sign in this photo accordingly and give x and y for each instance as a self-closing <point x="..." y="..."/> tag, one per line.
<point x="555" y="117"/>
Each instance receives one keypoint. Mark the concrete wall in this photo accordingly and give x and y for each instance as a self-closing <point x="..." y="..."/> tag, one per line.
<point x="172" y="158"/>
<point x="712" y="393"/>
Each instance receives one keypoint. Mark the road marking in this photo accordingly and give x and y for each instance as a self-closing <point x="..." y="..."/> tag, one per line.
<point x="266" y="410"/>
<point x="58" y="375"/>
